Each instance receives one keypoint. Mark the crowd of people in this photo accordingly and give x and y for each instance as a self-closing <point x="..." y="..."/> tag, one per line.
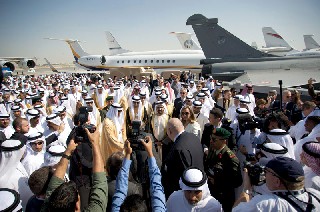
<point x="71" y="142"/>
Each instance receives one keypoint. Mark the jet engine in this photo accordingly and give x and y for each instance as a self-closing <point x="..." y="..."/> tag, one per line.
<point x="8" y="65"/>
<point x="25" y="64"/>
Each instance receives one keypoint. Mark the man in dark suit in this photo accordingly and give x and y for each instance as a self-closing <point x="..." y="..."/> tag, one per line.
<point x="215" y="121"/>
<point x="155" y="83"/>
<point x="273" y="103"/>
<point x="179" y="102"/>
<point x="185" y="152"/>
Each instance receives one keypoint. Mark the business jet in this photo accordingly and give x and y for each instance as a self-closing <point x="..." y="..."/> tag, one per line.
<point x="22" y="62"/>
<point x="275" y="43"/>
<point x="162" y="59"/>
<point x="278" y="46"/>
<point x="226" y="52"/>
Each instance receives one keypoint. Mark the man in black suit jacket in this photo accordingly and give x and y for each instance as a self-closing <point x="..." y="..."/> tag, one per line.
<point x="215" y="121"/>
<point x="185" y="152"/>
<point x="179" y="102"/>
<point x="273" y="103"/>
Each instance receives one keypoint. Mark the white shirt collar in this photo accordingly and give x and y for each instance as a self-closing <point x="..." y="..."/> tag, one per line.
<point x="175" y="138"/>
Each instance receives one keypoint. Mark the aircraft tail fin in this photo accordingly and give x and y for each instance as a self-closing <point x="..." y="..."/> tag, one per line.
<point x="75" y="47"/>
<point x="310" y="42"/>
<point x="273" y="39"/>
<point x="51" y="66"/>
<point x="186" y="41"/>
<point x="216" y="42"/>
<point x="113" y="45"/>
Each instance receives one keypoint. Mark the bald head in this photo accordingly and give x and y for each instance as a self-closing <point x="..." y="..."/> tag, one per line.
<point x="174" y="128"/>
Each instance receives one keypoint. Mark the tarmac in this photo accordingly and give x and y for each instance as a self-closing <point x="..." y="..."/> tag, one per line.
<point x="262" y="80"/>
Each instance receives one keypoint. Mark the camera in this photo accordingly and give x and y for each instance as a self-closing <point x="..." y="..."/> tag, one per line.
<point x="256" y="173"/>
<point x="80" y="133"/>
<point x="247" y="122"/>
<point x="226" y="122"/>
<point x="136" y="136"/>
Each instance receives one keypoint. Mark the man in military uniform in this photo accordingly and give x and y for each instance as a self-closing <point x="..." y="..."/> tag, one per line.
<point x="223" y="169"/>
<point x="104" y="110"/>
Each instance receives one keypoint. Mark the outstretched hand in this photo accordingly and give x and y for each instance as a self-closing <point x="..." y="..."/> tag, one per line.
<point x="127" y="149"/>
<point x="147" y="143"/>
<point x="71" y="147"/>
<point x="93" y="137"/>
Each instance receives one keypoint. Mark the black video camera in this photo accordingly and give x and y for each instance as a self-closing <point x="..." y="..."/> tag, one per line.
<point x="136" y="136"/>
<point x="247" y="122"/>
<point x="256" y="173"/>
<point x="80" y="133"/>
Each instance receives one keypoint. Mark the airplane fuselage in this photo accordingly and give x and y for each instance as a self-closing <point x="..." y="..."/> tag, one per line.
<point x="158" y="61"/>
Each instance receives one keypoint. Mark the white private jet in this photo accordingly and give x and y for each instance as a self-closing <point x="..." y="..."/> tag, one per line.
<point x="162" y="59"/>
<point x="276" y="45"/>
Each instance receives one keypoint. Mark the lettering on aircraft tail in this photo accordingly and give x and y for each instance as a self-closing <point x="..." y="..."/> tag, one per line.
<point x="221" y="40"/>
<point x="275" y="35"/>
<point x="188" y="44"/>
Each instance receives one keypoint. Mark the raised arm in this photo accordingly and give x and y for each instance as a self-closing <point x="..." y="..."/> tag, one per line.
<point x="156" y="189"/>
<point x="122" y="179"/>
<point x="61" y="167"/>
<point x="98" y="164"/>
<point x="99" y="191"/>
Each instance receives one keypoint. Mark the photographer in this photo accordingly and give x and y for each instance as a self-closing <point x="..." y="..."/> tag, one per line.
<point x="246" y="130"/>
<point x="64" y="196"/>
<point x="265" y="152"/>
<point x="285" y="179"/>
<point x="122" y="202"/>
<point x="81" y="162"/>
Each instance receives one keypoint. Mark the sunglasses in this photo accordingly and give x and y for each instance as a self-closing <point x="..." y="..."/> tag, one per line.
<point x="185" y="113"/>
<point x="36" y="143"/>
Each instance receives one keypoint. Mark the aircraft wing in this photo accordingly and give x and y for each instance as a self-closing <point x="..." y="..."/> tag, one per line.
<point x="14" y="59"/>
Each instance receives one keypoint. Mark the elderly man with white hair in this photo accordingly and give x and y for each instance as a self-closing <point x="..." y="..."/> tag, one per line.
<point x="194" y="194"/>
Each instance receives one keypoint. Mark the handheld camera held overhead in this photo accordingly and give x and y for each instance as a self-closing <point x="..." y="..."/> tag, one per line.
<point x="80" y="133"/>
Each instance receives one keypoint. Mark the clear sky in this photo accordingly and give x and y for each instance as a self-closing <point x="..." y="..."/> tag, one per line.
<point x="140" y="25"/>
